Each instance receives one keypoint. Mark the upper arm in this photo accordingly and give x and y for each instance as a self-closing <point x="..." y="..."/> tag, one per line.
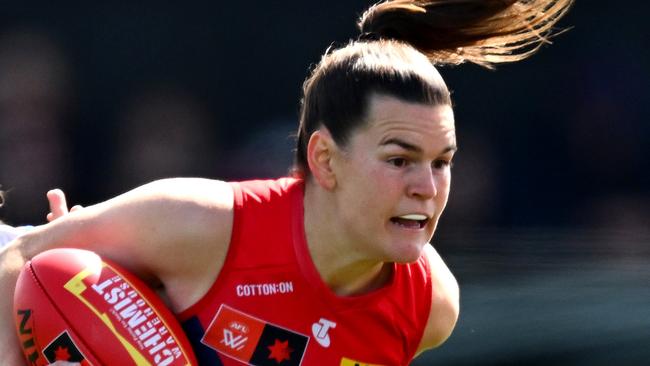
<point x="444" y="303"/>
<point x="173" y="232"/>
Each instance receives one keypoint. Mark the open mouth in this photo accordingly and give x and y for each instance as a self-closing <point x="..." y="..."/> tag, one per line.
<point x="411" y="221"/>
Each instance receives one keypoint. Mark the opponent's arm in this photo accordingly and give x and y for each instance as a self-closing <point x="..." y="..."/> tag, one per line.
<point x="173" y="233"/>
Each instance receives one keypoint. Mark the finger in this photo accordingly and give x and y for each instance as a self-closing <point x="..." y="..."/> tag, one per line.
<point x="58" y="204"/>
<point x="76" y="208"/>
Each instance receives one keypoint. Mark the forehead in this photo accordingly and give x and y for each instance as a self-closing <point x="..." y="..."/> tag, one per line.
<point x="421" y="124"/>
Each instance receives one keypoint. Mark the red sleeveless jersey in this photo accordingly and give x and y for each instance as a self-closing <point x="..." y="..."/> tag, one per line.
<point x="269" y="305"/>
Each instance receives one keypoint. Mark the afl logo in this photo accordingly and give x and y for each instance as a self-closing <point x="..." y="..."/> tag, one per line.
<point x="239" y="327"/>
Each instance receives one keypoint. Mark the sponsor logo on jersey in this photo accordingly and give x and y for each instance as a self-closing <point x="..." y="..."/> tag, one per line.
<point x="254" y="341"/>
<point x="264" y="289"/>
<point x="350" y="362"/>
<point x="321" y="331"/>
<point x="63" y="348"/>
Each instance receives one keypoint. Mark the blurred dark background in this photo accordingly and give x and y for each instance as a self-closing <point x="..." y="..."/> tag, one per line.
<point x="548" y="223"/>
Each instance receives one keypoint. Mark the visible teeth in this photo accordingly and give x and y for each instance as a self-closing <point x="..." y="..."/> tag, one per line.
<point x="413" y="217"/>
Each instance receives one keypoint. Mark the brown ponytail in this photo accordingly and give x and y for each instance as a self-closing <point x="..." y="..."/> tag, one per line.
<point x="400" y="40"/>
<point x="484" y="32"/>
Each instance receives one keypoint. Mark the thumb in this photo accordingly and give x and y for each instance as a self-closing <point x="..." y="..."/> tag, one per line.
<point x="58" y="204"/>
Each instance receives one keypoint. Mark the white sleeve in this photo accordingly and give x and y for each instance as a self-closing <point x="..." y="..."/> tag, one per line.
<point x="9" y="233"/>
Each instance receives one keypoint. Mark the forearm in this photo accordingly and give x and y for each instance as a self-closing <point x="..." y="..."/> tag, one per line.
<point x="26" y="246"/>
<point x="12" y="260"/>
<point x="82" y="231"/>
<point x="85" y="230"/>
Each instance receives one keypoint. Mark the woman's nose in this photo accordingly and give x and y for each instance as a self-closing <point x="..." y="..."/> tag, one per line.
<point x="423" y="184"/>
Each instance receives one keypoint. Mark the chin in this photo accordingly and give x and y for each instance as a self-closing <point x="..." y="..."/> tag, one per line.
<point x="409" y="253"/>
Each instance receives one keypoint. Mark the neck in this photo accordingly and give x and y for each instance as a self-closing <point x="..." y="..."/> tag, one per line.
<point x="341" y="264"/>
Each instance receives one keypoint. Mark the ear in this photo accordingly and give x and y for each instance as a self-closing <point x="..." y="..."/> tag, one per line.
<point x="320" y="151"/>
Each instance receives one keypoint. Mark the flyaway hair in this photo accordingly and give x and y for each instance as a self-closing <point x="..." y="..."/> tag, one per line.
<point x="485" y="32"/>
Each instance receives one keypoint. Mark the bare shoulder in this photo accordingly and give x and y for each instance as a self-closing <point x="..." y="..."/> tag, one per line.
<point x="189" y="188"/>
<point x="444" y="305"/>
<point x="196" y="217"/>
<point x="191" y="208"/>
<point x="175" y="213"/>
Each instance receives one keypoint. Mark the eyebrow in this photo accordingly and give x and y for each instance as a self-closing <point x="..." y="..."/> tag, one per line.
<point x="410" y="147"/>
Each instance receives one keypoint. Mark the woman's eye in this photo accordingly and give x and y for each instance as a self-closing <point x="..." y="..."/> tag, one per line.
<point x="398" y="162"/>
<point x="440" y="164"/>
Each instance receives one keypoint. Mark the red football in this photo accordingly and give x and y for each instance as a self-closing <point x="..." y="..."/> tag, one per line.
<point x="71" y="305"/>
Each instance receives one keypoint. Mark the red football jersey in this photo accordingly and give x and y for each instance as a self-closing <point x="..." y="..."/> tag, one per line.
<point x="269" y="305"/>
